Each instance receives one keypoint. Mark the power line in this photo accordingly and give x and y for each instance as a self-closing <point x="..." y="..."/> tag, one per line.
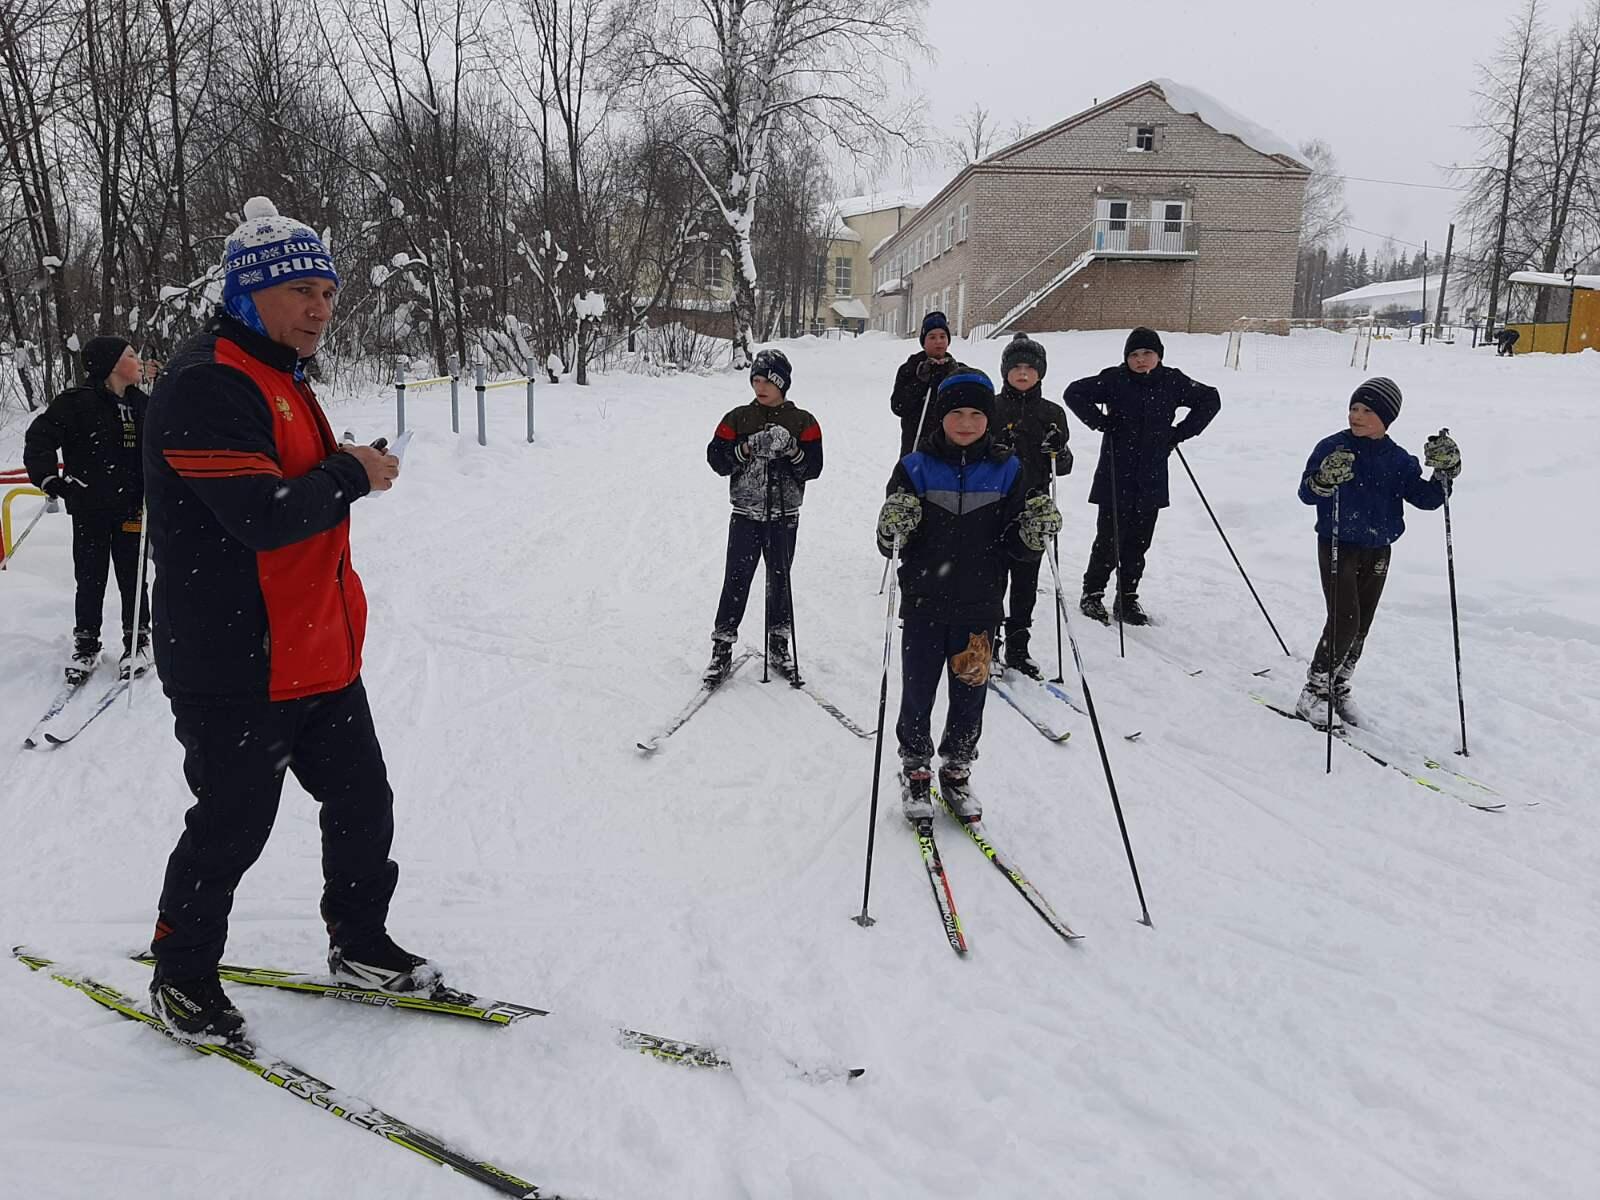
<point x="1437" y="187"/>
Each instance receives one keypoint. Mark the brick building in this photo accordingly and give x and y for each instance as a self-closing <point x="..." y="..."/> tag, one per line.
<point x="1158" y="207"/>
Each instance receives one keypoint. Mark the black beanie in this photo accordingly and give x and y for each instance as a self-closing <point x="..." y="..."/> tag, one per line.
<point x="1382" y="396"/>
<point x="1144" y="338"/>
<point x="934" y="320"/>
<point x="964" y="387"/>
<point x="1022" y="351"/>
<point x="100" y="354"/>
<point x="773" y="366"/>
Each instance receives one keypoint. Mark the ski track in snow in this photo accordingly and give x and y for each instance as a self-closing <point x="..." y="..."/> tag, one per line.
<point x="1353" y="987"/>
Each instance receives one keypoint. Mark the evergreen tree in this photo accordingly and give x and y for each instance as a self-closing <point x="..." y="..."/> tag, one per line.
<point x="1363" y="272"/>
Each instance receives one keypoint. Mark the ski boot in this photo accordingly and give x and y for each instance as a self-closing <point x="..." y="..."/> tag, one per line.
<point x="379" y="963"/>
<point x="779" y="657"/>
<point x="1017" y="658"/>
<point x="135" y="659"/>
<point x="85" y="657"/>
<point x="1129" y="611"/>
<point x="1312" y="705"/>
<point x="916" y="798"/>
<point x="195" y="1010"/>
<point x="1093" y="607"/>
<point x="955" y="786"/>
<point x="1344" y="707"/>
<point x="721" y="662"/>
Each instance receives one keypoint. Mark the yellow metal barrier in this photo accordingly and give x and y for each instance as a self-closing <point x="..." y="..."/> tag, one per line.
<point x="5" y="517"/>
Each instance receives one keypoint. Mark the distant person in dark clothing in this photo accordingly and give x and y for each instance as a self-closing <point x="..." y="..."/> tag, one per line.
<point x="1506" y="342"/>
<point x="96" y="428"/>
<point x="1133" y="407"/>
<point x="918" y="379"/>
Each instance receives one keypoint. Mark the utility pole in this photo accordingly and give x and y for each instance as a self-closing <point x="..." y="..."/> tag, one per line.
<point x="1424" y="293"/>
<point x="1444" y="280"/>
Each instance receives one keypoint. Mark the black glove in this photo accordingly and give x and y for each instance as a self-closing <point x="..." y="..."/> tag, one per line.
<point x="54" y="487"/>
<point x="924" y="370"/>
<point x="1055" y="440"/>
<point x="1064" y="461"/>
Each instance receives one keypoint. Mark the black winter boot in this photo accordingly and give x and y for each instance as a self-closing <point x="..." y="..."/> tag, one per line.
<point x="1093" y="607"/>
<point x="195" y="1009"/>
<point x="779" y="657"/>
<point x="379" y="963"/>
<point x="135" y="655"/>
<point x="721" y="663"/>
<point x="85" y="657"/>
<point x="1130" y="611"/>
<point x="1017" y="657"/>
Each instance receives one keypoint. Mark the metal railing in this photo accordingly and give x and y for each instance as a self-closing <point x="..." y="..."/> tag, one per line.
<point x="1144" y="235"/>
<point x="481" y="386"/>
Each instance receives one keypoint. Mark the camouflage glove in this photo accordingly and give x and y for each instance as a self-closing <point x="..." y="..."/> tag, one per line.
<point x="769" y="442"/>
<point x="898" y="518"/>
<point x="1442" y="454"/>
<point x="971" y="666"/>
<point x="1040" y="519"/>
<point x="1338" y="467"/>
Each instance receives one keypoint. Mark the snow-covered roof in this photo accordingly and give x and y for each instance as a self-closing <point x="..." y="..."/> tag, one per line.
<point x="1554" y="279"/>
<point x="858" y="206"/>
<point x="1223" y="119"/>
<point x="1383" y="291"/>
<point x="843" y="233"/>
<point x="850" y="308"/>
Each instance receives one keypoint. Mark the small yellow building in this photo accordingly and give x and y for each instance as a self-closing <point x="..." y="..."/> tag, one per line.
<point x="1577" y="300"/>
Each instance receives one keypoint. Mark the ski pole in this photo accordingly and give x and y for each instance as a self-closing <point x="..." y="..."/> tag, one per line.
<point x="1333" y="623"/>
<point x="1116" y="546"/>
<point x="877" y="753"/>
<point x="48" y="506"/>
<point x="766" y="592"/>
<point x="1455" y="617"/>
<point x="1100" y="741"/>
<point x="884" y="582"/>
<point x="138" y="594"/>
<point x="1055" y="548"/>
<point x="1229" y="545"/>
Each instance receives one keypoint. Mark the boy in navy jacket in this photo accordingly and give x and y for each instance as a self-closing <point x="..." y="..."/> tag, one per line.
<point x="959" y="513"/>
<point x="1372" y="479"/>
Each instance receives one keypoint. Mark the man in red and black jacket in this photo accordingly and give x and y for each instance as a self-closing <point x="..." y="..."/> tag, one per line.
<point x="259" y="619"/>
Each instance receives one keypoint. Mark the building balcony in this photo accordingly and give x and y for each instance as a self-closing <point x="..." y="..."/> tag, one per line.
<point x="1135" y="237"/>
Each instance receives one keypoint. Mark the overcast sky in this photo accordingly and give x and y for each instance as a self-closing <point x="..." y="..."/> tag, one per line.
<point x="1387" y="84"/>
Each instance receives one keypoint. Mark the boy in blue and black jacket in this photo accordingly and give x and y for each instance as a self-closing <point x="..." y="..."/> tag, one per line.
<point x="957" y="513"/>
<point x="1360" y="482"/>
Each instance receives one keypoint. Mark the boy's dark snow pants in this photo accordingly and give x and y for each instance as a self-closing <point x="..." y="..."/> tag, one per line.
<point x="926" y="648"/>
<point x="749" y="541"/>
<point x="1363" y="571"/>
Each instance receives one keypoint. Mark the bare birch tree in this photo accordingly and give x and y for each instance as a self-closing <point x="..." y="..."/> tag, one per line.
<point x="738" y="67"/>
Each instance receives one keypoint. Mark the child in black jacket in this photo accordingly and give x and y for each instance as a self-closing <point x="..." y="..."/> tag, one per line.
<point x="768" y="449"/>
<point x="1035" y="430"/>
<point x="96" y="427"/>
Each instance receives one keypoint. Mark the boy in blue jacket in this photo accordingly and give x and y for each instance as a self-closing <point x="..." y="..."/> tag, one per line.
<point x="1373" y="478"/>
<point x="960" y="514"/>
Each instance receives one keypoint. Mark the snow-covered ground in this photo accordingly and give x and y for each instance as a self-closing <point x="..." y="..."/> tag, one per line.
<point x="1354" y="987"/>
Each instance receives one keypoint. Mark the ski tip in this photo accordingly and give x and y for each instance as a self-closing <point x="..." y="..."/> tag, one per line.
<point x="647" y="747"/>
<point x="54" y="740"/>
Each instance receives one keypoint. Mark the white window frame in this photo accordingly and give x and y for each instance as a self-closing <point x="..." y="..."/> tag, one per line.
<point x="944" y="302"/>
<point x="950" y="229"/>
<point x="843" y="268"/>
<point x="966" y="220"/>
<point x="1135" y="138"/>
